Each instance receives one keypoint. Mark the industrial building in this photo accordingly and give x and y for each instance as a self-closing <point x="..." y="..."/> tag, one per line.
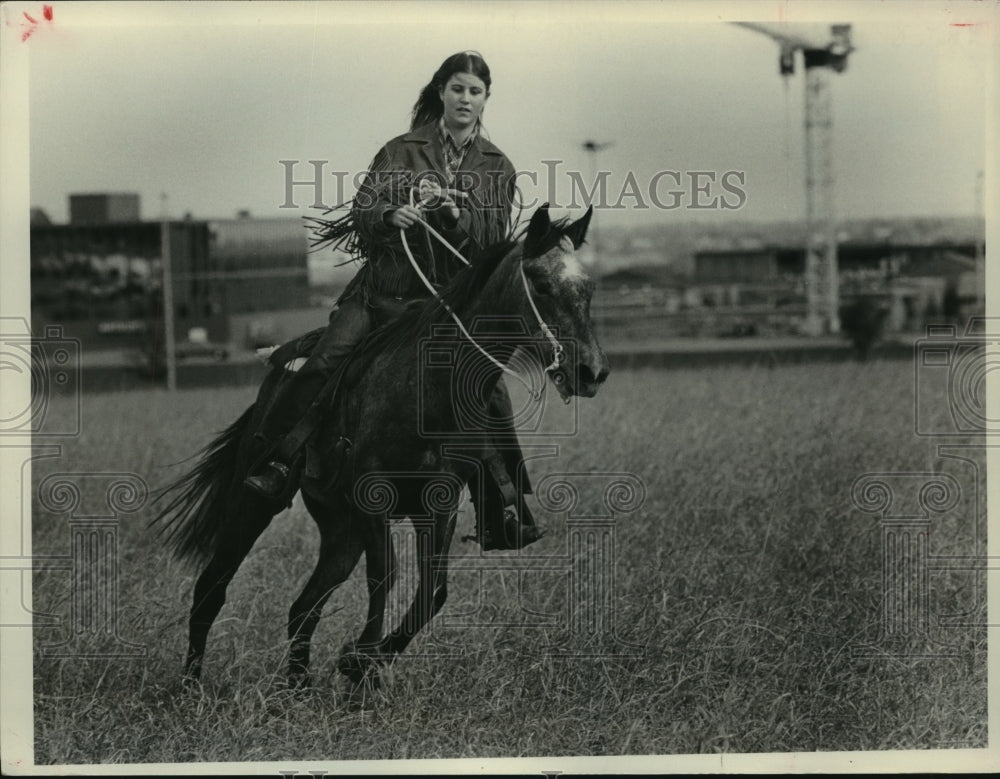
<point x="104" y="208"/>
<point x="101" y="276"/>
<point x="917" y="281"/>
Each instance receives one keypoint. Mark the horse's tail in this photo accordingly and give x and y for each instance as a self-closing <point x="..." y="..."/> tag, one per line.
<point x="193" y="521"/>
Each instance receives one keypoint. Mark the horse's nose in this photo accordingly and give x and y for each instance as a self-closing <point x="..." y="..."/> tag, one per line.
<point x="587" y="375"/>
<point x="589" y="379"/>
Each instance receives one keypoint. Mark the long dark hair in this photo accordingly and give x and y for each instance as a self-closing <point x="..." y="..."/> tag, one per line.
<point x="429" y="107"/>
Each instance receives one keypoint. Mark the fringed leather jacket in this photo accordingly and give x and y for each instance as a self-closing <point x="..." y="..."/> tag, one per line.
<point x="485" y="176"/>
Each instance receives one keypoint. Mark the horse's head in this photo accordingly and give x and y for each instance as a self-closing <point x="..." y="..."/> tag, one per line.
<point x="560" y="290"/>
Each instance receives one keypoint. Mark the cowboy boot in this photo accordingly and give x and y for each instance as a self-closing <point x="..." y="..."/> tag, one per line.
<point x="272" y="480"/>
<point x="503" y="519"/>
<point x="516" y="529"/>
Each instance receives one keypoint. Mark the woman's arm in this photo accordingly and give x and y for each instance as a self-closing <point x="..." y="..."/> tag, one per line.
<point x="379" y="206"/>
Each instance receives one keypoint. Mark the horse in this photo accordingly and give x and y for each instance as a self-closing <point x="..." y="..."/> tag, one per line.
<point x="395" y="467"/>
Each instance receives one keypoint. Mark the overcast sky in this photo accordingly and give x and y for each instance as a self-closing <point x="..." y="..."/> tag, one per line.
<point x="202" y="101"/>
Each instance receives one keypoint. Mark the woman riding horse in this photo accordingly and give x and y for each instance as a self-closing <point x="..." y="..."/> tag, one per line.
<point x="394" y="469"/>
<point x="466" y="186"/>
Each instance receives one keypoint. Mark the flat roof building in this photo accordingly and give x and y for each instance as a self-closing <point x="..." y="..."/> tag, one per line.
<point x="103" y="208"/>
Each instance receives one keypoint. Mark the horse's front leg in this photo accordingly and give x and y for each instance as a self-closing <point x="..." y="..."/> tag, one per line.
<point x="433" y="542"/>
<point x="360" y="659"/>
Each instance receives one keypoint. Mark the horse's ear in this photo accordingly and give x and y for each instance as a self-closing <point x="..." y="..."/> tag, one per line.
<point x="538" y="228"/>
<point x="578" y="230"/>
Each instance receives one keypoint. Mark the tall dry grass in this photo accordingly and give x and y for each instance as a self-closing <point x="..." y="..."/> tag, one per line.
<point x="748" y="578"/>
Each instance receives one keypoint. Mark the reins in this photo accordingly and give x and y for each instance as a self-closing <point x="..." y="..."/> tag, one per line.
<point x="558" y="353"/>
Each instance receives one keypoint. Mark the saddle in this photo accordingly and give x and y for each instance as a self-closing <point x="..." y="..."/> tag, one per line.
<point x="321" y="466"/>
<point x="286" y="355"/>
<point x="290" y="356"/>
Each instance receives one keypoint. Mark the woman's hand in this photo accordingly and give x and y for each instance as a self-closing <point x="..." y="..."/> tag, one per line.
<point x="433" y="197"/>
<point x="449" y="211"/>
<point x="404" y="217"/>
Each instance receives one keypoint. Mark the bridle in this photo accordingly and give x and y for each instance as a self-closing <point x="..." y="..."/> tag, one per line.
<point x="558" y="352"/>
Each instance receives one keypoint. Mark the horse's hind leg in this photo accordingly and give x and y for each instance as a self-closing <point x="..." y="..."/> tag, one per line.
<point x="339" y="551"/>
<point x="210" y="591"/>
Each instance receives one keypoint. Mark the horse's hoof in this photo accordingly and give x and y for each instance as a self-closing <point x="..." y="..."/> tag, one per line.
<point x="361" y="663"/>
<point x="354" y="666"/>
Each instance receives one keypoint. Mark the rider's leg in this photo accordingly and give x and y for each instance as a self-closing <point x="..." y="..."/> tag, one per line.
<point x="504" y="436"/>
<point x="348" y="325"/>
<point x="503" y="518"/>
<point x="503" y="521"/>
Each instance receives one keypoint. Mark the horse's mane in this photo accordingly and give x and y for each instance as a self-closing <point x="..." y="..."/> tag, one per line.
<point x="464" y="287"/>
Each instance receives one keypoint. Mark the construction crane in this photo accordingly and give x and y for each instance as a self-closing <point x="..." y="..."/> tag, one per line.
<point x="824" y="49"/>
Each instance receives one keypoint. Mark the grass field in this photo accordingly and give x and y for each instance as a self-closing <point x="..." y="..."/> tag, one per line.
<point x="748" y="577"/>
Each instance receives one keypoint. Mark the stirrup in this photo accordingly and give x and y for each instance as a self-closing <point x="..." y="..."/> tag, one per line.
<point x="514" y="534"/>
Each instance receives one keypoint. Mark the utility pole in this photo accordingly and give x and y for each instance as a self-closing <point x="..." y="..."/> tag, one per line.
<point x="824" y="49"/>
<point x="169" y="344"/>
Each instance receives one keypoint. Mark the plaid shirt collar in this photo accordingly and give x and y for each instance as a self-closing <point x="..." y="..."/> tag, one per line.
<point x="453" y="153"/>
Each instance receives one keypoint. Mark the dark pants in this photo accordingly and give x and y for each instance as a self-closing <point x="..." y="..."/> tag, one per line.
<point x="349" y="323"/>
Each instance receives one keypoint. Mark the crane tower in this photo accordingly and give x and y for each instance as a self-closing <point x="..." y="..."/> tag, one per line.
<point x="824" y="49"/>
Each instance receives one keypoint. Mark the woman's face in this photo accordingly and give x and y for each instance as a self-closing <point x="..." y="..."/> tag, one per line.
<point x="464" y="97"/>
